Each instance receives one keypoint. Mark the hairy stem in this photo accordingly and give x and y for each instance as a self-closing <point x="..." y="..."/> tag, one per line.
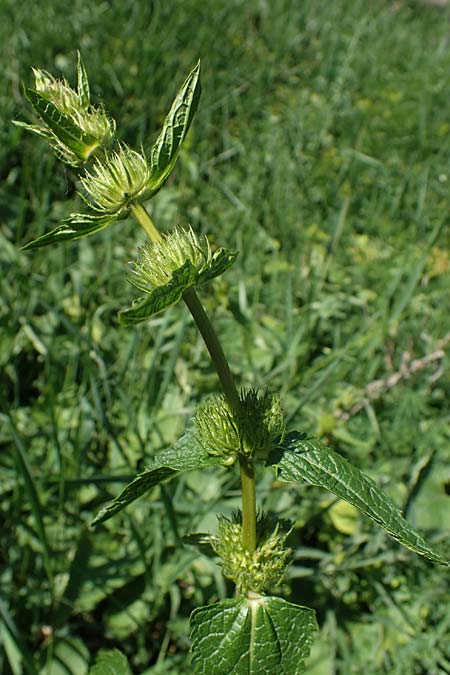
<point x="227" y="382"/>
<point x="248" y="483"/>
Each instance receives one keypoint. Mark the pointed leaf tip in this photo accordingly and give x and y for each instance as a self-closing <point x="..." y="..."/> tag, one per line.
<point x="306" y="459"/>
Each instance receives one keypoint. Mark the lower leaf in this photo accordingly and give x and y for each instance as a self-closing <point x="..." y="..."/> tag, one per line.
<point x="306" y="459"/>
<point x="258" y="635"/>
<point x="186" y="455"/>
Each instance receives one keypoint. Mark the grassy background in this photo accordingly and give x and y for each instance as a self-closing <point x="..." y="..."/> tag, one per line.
<point x="321" y="151"/>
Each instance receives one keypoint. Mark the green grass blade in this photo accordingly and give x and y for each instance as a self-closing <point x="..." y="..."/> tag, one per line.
<point x="10" y="628"/>
<point x="35" y="504"/>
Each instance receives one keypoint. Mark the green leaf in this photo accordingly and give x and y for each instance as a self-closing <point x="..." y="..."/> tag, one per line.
<point x="220" y="261"/>
<point x="255" y="636"/>
<point x="165" y="151"/>
<point x="162" y="297"/>
<point x="77" y="226"/>
<point x="186" y="455"/>
<point x="301" y="459"/>
<point x="110" y="663"/>
<point x="34" y="128"/>
<point x="83" y="84"/>
<point x="62" y="126"/>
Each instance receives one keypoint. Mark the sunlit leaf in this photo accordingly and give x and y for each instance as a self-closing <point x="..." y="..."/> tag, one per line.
<point x="165" y="151"/>
<point x="76" y="226"/>
<point x="307" y="460"/>
<point x="256" y="636"/>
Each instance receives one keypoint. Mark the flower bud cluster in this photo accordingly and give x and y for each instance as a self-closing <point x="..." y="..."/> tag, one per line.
<point x="256" y="570"/>
<point x="114" y="182"/>
<point x="158" y="261"/>
<point x="76" y="129"/>
<point x="253" y="430"/>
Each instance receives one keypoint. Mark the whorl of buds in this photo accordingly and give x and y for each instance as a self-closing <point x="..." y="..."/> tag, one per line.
<point x="256" y="570"/>
<point x="253" y="430"/>
<point x="158" y="261"/>
<point x="74" y="128"/>
<point x="116" y="180"/>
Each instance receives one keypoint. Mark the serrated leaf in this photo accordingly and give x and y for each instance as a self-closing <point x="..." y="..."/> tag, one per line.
<point x="220" y="261"/>
<point x="77" y="226"/>
<point x="258" y="636"/>
<point x="110" y="663"/>
<point x="186" y="455"/>
<point x="165" y="151"/>
<point x="83" y="83"/>
<point x="301" y="459"/>
<point x="62" y="126"/>
<point x="162" y="297"/>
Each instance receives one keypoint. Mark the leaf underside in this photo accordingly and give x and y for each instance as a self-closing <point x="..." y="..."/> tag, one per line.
<point x="185" y="455"/>
<point x="165" y="151"/>
<point x="77" y="226"/>
<point x="301" y="459"/>
<point x="260" y="636"/>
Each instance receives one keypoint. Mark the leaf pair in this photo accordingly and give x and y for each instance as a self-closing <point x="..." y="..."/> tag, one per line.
<point x="171" y="292"/>
<point x="76" y="130"/>
<point x="298" y="460"/>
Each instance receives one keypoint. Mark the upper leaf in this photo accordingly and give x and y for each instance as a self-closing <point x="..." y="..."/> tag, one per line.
<point x="300" y="459"/>
<point x="186" y="455"/>
<point x="251" y="636"/>
<point x="165" y="151"/>
<point x="83" y="84"/>
<point x="76" y="226"/>
<point x="64" y="128"/>
<point x="110" y="662"/>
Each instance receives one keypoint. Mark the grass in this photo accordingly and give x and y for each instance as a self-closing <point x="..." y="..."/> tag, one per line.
<point x="321" y="150"/>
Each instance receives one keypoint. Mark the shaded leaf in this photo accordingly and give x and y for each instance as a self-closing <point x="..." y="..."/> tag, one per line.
<point x="257" y="636"/>
<point x="221" y="260"/>
<point x="161" y="297"/>
<point x="301" y="459"/>
<point x="186" y="455"/>
<point x="110" y="663"/>
<point x="165" y="151"/>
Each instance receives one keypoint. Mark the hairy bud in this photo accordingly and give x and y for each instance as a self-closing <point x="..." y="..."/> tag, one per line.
<point x="256" y="570"/>
<point x="253" y="430"/>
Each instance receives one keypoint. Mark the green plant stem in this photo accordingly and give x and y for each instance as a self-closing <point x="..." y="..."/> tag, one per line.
<point x="213" y="346"/>
<point x="145" y="222"/>
<point x="227" y="382"/>
<point x="248" y="483"/>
